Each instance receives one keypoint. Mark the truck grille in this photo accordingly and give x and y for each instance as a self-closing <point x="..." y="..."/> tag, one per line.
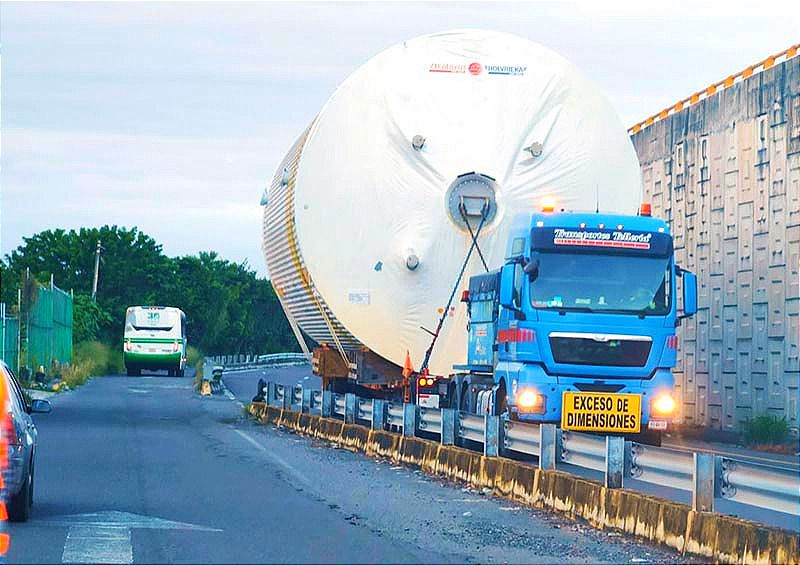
<point x="603" y="350"/>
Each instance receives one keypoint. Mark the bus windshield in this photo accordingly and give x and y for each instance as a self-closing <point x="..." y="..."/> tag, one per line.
<point x="607" y="283"/>
<point x="152" y="320"/>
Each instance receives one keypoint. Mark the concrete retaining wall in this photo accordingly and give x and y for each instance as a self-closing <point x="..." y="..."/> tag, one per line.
<point x="722" y="538"/>
<point x="725" y="173"/>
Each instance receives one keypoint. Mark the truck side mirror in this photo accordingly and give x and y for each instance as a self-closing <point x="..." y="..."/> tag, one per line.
<point x="689" y="294"/>
<point x="507" y="275"/>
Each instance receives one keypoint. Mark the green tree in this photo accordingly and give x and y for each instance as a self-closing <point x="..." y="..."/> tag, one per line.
<point x="133" y="267"/>
<point x="90" y="321"/>
<point x="228" y="308"/>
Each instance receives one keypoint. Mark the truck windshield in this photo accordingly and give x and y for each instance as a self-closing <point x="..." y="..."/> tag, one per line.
<point x="609" y="283"/>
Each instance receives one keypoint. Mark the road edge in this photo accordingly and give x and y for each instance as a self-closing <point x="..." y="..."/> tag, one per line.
<point x="723" y="538"/>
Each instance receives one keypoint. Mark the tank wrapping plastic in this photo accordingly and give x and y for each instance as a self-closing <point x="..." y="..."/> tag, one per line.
<point x="363" y="234"/>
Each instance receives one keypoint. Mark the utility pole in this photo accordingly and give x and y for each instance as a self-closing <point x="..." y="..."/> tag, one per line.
<point x="19" y="330"/>
<point x="97" y="253"/>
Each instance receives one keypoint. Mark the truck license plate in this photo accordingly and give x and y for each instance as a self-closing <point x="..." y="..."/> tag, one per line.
<point x="601" y="412"/>
<point x="429" y="400"/>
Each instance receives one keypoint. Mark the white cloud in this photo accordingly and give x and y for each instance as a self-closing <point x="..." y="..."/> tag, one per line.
<point x="125" y="112"/>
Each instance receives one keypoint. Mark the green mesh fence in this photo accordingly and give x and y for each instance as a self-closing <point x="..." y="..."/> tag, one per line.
<point x="9" y="332"/>
<point x="50" y="328"/>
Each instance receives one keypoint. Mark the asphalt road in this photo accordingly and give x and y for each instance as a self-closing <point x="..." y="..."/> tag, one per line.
<point x="243" y="384"/>
<point x="144" y="470"/>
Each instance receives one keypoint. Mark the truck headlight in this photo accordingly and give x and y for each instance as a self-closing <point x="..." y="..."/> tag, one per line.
<point x="528" y="400"/>
<point x="664" y="405"/>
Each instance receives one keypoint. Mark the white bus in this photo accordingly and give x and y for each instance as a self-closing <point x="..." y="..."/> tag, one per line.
<point x="155" y="339"/>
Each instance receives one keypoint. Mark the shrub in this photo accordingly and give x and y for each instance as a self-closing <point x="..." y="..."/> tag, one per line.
<point x="766" y="429"/>
<point x="195" y="358"/>
<point x="91" y="359"/>
<point x="101" y="357"/>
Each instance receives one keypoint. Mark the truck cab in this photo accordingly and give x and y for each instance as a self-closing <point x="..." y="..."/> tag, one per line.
<point x="578" y="327"/>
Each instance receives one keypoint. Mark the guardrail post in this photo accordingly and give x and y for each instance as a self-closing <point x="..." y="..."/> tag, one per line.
<point x="718" y="478"/>
<point x="350" y="400"/>
<point x="627" y="460"/>
<point x="448" y="426"/>
<point x="703" y="485"/>
<point x="409" y="419"/>
<point x="492" y="430"/>
<point x="378" y="414"/>
<point x="300" y="403"/>
<point x="327" y="404"/>
<point x="288" y="392"/>
<point x="615" y="461"/>
<point x="272" y="393"/>
<point x="548" y="446"/>
<point x="305" y="406"/>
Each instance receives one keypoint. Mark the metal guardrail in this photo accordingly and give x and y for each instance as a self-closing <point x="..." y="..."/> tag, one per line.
<point x="706" y="475"/>
<point x="338" y="404"/>
<point x="470" y="426"/>
<point x="394" y="415"/>
<point x="315" y="402"/>
<point x="759" y="485"/>
<point x="522" y="438"/>
<point x="583" y="450"/>
<point x="662" y="466"/>
<point x="364" y="409"/>
<point x="430" y="420"/>
<point x="234" y="362"/>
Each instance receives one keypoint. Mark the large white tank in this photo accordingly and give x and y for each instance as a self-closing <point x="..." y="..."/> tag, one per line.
<point x="360" y="197"/>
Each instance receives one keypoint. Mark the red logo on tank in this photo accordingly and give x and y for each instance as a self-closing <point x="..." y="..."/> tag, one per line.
<point x="475" y="68"/>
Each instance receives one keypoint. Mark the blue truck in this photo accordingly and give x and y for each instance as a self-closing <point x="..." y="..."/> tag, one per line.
<point x="577" y="328"/>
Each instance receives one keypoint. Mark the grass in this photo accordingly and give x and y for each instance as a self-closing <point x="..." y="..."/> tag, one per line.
<point x="195" y="358"/>
<point x="89" y="358"/>
<point x="766" y="430"/>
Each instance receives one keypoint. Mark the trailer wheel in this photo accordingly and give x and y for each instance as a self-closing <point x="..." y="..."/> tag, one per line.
<point x="464" y="403"/>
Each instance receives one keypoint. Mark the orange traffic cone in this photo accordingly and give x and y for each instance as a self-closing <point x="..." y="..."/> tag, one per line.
<point x="408" y="367"/>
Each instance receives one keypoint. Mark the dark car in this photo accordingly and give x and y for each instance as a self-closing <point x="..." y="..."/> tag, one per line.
<point x="20" y="432"/>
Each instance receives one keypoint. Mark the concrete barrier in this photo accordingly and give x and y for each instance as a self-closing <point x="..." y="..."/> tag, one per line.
<point x="719" y="537"/>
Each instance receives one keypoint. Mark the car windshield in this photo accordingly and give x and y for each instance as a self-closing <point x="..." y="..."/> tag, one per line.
<point x="611" y="283"/>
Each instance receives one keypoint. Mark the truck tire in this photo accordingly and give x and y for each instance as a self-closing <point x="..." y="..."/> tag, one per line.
<point x="19" y="506"/>
<point x="171" y="372"/>
<point x="181" y="372"/>
<point x="501" y="400"/>
<point x="133" y="372"/>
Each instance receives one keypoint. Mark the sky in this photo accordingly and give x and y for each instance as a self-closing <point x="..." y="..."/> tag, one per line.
<point x="173" y="116"/>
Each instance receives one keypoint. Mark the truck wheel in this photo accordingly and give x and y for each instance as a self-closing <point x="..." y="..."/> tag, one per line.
<point x="171" y="372"/>
<point x="19" y="507"/>
<point x="132" y="372"/>
<point x="181" y="372"/>
<point x="501" y="401"/>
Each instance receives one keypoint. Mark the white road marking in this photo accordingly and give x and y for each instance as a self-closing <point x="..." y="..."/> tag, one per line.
<point x="291" y="470"/>
<point x="105" y="537"/>
<point x="98" y="544"/>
